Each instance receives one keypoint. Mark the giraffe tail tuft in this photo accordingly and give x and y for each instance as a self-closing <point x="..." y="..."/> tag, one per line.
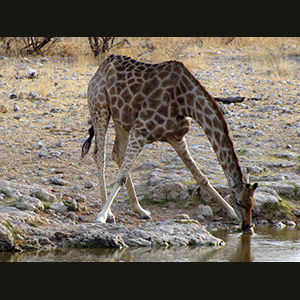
<point x="87" y="144"/>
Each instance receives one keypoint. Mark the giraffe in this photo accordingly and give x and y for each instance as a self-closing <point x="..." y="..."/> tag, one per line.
<point x="154" y="102"/>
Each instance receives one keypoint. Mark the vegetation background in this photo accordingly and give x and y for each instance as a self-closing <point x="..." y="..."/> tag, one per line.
<point x="265" y="55"/>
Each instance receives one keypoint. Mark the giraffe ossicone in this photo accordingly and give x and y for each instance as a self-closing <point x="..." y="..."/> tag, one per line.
<point x="153" y="102"/>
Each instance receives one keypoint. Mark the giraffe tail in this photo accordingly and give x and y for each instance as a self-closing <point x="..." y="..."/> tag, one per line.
<point x="87" y="144"/>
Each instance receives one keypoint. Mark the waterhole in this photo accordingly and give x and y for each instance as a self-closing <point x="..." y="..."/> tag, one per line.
<point x="268" y="244"/>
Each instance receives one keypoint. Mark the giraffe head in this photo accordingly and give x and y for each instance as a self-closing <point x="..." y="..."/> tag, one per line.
<point x="246" y="203"/>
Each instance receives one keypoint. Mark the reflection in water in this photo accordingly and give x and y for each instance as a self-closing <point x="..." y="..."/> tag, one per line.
<point x="267" y="244"/>
<point x="244" y="251"/>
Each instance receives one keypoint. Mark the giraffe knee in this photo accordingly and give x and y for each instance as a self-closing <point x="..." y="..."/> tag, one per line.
<point x="204" y="181"/>
<point x="123" y="180"/>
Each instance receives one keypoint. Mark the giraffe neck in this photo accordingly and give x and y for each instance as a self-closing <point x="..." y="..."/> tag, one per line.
<point x="204" y="109"/>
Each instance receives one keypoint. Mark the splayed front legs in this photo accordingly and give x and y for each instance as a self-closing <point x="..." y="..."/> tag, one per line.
<point x="133" y="149"/>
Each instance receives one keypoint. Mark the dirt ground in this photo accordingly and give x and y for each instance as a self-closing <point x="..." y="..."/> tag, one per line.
<point x="44" y="115"/>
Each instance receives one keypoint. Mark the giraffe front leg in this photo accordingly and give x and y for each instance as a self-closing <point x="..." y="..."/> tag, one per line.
<point x="183" y="152"/>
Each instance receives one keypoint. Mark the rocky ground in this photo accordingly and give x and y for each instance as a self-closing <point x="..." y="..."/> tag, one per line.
<point x="43" y="124"/>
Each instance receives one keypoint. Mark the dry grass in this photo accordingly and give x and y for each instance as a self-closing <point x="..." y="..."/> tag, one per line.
<point x="265" y="54"/>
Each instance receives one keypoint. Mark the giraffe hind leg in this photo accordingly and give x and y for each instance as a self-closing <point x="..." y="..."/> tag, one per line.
<point x="132" y="151"/>
<point x="135" y="205"/>
<point x="118" y="155"/>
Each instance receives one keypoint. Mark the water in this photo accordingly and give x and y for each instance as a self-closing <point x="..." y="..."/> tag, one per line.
<point x="267" y="244"/>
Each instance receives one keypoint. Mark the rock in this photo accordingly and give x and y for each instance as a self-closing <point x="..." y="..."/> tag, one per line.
<point x="89" y="185"/>
<point x="148" y="165"/>
<point x="254" y="169"/>
<point x="21" y="226"/>
<point x="82" y="95"/>
<point x="17" y="117"/>
<point x="10" y="192"/>
<point x="59" y="207"/>
<point x="57" y="181"/>
<point x="168" y="191"/>
<point x="33" y="95"/>
<point x="276" y="177"/>
<point x="80" y="198"/>
<point x="42" y="154"/>
<point x="182" y="216"/>
<point x="287" y="155"/>
<point x="55" y="110"/>
<point x="281" y="187"/>
<point x="170" y="233"/>
<point x="55" y="153"/>
<point x="238" y="85"/>
<point x="31" y="73"/>
<point x="27" y="201"/>
<point x="58" y="144"/>
<point x="289" y="223"/>
<point x="30" y="235"/>
<point x="13" y="96"/>
<point x="159" y="234"/>
<point x="38" y="242"/>
<point x="204" y="210"/>
<point x="72" y="215"/>
<point x="296" y="212"/>
<point x="71" y="204"/>
<point x="222" y="189"/>
<point x="6" y="237"/>
<point x="278" y="224"/>
<point x="25" y="206"/>
<point x="278" y="164"/>
<point x="264" y="195"/>
<point x="43" y="195"/>
<point x="256" y="133"/>
<point x="200" y="218"/>
<point x="155" y="177"/>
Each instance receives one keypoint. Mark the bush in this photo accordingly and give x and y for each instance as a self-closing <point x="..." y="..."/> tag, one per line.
<point x="100" y="44"/>
<point x="28" y="45"/>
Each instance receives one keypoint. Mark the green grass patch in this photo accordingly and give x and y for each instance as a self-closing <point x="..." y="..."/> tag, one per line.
<point x="15" y="232"/>
<point x="282" y="206"/>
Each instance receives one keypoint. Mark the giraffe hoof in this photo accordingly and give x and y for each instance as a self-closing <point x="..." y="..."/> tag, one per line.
<point x="145" y="215"/>
<point x="101" y="219"/>
<point x="110" y="219"/>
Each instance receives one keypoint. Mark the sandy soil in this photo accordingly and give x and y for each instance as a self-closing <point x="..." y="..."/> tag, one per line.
<point x="43" y="124"/>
